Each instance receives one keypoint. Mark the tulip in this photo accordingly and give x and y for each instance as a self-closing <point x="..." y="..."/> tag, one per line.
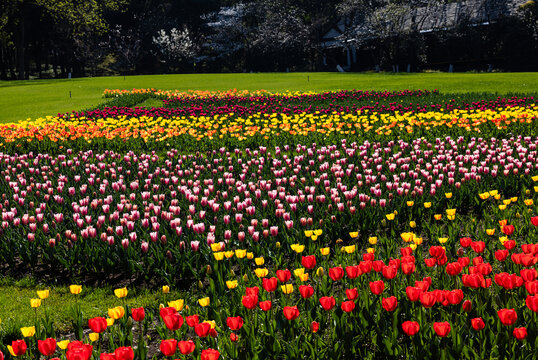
<point x="28" y="331"/>
<point x="210" y="354"/>
<point x="204" y="302"/>
<point x="377" y="287"/>
<point x="186" y="347"/>
<point x="97" y="324"/>
<point x="234" y="323"/>
<point x="202" y="329"/>
<point x="173" y="322"/>
<point x="507" y="316"/>
<point x="116" y="313"/>
<point x="166" y="289"/>
<point x="410" y="328"/>
<point x="478" y="324"/>
<point x="138" y="314"/>
<point x="266" y="305"/>
<point x="327" y="302"/>
<point x="177" y="304"/>
<point x="43" y="294"/>
<point x="520" y="333"/>
<point x="442" y="329"/>
<point x="46" y="347"/>
<point x="192" y="320"/>
<point x="336" y="273"/>
<point x="270" y="284"/>
<point x="75" y="289"/>
<point x="76" y="350"/>
<point x="93" y="336"/>
<point x="168" y="347"/>
<point x="17" y="347"/>
<point x="308" y="262"/>
<point x="390" y="303"/>
<point x="35" y="303"/>
<point x="291" y="312"/>
<point x="348" y="306"/>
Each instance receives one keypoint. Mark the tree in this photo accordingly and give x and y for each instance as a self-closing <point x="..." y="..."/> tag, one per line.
<point x="176" y="46"/>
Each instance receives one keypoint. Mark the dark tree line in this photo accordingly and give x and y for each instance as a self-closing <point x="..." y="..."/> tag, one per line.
<point x="55" y="38"/>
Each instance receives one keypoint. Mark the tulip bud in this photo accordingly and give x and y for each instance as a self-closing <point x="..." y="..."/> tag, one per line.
<point x="208" y="270"/>
<point x="278" y="244"/>
<point x="52" y="242"/>
<point x="467" y="306"/>
<point x="320" y="271"/>
<point x="169" y="255"/>
<point x="245" y="278"/>
<point x="200" y="285"/>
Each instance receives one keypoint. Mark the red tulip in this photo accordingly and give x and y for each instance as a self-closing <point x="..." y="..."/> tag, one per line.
<point x="508" y="229"/>
<point x="306" y="291"/>
<point x="167" y="311"/>
<point x="210" y="354"/>
<point x="234" y="337"/>
<point x="389" y="272"/>
<point x="509" y="244"/>
<point x="501" y="255"/>
<point x="46" y="347"/>
<point x="336" y="273"/>
<point x="428" y="299"/>
<point x="353" y="271"/>
<point x="105" y="356"/>
<point x="352" y="294"/>
<point x="168" y="347"/>
<point x="283" y="275"/>
<point x="520" y="333"/>
<point x="465" y="242"/>
<point x="192" y="320"/>
<point x="410" y="328"/>
<point x="365" y="266"/>
<point x="327" y="302"/>
<point x="478" y="246"/>
<point x="454" y="296"/>
<point x="528" y="274"/>
<point x="314" y="326"/>
<point x="508" y="317"/>
<point x="348" y="306"/>
<point x="430" y="262"/>
<point x="266" y="305"/>
<point x="250" y="301"/>
<point x="390" y="303"/>
<point x="76" y="350"/>
<point x="413" y="293"/>
<point x="377" y="287"/>
<point x="1" y="355"/>
<point x="124" y="353"/>
<point x="252" y="291"/>
<point x="234" y="323"/>
<point x="309" y="262"/>
<point x="453" y="269"/>
<point x="202" y="329"/>
<point x="138" y="314"/>
<point x="408" y="268"/>
<point x="532" y="287"/>
<point x="464" y="261"/>
<point x="532" y="303"/>
<point x="467" y="306"/>
<point x="173" y="322"/>
<point x="478" y="324"/>
<point x="442" y="329"/>
<point x="186" y="347"/>
<point x="269" y="284"/>
<point x="19" y="347"/>
<point x="534" y="220"/>
<point x="213" y="333"/>
<point x="291" y="312"/>
<point x="97" y="324"/>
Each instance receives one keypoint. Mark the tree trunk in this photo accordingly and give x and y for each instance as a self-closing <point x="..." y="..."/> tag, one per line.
<point x="21" y="44"/>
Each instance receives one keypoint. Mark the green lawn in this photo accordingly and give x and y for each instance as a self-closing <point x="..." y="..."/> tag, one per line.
<point x="20" y="100"/>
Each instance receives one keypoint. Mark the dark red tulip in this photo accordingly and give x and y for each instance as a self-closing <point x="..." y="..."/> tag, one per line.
<point x="467" y="306"/>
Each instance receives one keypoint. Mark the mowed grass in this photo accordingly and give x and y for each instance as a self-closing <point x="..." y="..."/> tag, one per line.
<point x="15" y="310"/>
<point x="21" y="100"/>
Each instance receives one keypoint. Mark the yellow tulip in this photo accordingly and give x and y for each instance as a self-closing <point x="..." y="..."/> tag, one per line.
<point x="448" y="195"/>
<point x="507" y="201"/>
<point x="110" y="321"/>
<point x="166" y="289"/>
<point x="63" y="344"/>
<point x="318" y="232"/>
<point x="303" y="277"/>
<point x="287" y="288"/>
<point x="536" y="189"/>
<point x="215" y="247"/>
<point x="325" y="251"/>
<point x="308" y="233"/>
<point x="490" y="231"/>
<point x="177" y="304"/>
<point x="277" y="244"/>
<point x="417" y="240"/>
<point x="406" y="236"/>
<point x="314" y="237"/>
<point x="412" y="224"/>
<point x="413" y="246"/>
<point x="502" y="207"/>
<point x="497" y="197"/>
<point x="218" y="255"/>
<point x="390" y="216"/>
<point x="116" y="313"/>
<point x="493" y="192"/>
<point x="350" y="249"/>
<point x="354" y="234"/>
<point x="261" y="272"/>
<point x="438" y="216"/>
<point x="451" y="212"/>
<point x="75" y="289"/>
<point x="250" y="255"/>
<point x="229" y="254"/>
<point x="93" y="337"/>
<point x="121" y="293"/>
<point x="427" y="205"/>
<point x="28" y="331"/>
<point x="370" y="250"/>
<point x="297" y="248"/>
<point x="231" y="284"/>
<point x="534" y="178"/>
<point x="240" y="253"/>
<point x="451" y="217"/>
<point x="503" y="222"/>
<point x="484" y="196"/>
<point x="443" y="240"/>
<point x="529" y="202"/>
<point x="372" y="240"/>
<point x="298" y="272"/>
<point x="43" y="294"/>
<point x="35" y="303"/>
<point x="410" y="203"/>
<point x="10" y="349"/>
<point x="259" y="261"/>
<point x="204" y="301"/>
